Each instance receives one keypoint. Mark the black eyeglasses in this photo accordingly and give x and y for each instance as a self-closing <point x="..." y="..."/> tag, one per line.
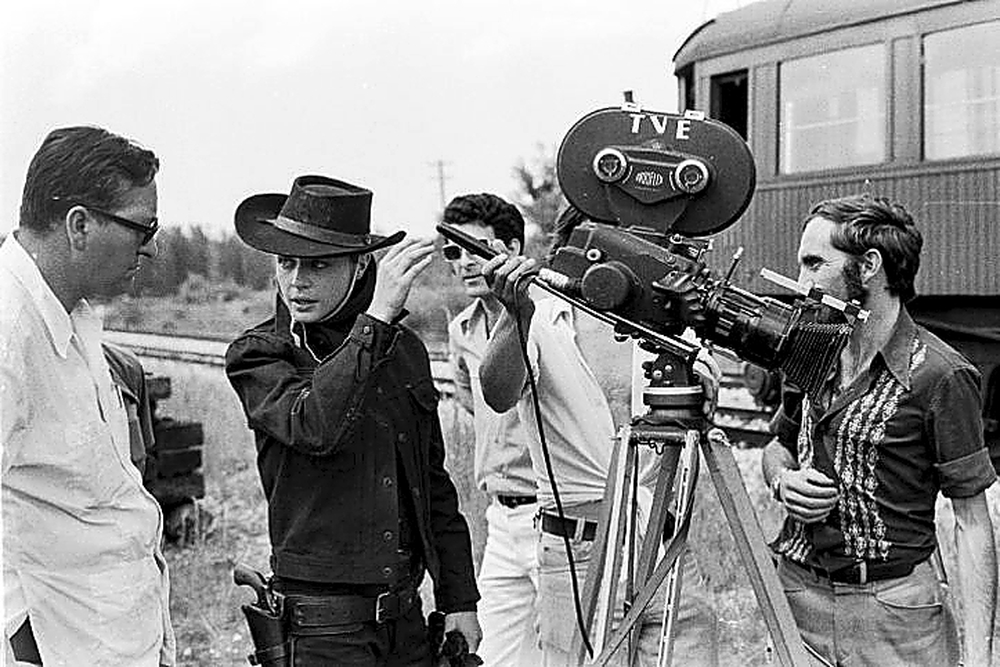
<point x="148" y="231"/>
<point x="451" y="251"/>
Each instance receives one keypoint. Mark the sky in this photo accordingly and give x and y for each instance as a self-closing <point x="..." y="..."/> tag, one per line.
<point x="239" y="97"/>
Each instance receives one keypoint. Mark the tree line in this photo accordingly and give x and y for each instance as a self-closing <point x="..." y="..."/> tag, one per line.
<point x="183" y="252"/>
<point x="186" y="253"/>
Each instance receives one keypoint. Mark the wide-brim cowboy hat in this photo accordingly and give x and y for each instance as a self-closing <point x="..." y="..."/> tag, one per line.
<point x="320" y="217"/>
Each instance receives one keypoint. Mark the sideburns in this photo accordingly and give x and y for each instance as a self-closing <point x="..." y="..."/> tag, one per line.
<point x="856" y="290"/>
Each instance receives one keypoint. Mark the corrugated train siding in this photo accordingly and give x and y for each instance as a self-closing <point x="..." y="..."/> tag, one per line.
<point x="956" y="210"/>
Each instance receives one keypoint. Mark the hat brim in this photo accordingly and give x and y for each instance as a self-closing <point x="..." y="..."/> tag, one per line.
<point x="254" y="224"/>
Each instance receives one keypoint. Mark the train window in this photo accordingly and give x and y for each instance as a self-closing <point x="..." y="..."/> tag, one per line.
<point x="685" y="81"/>
<point x="729" y="100"/>
<point x="832" y="110"/>
<point x="962" y="92"/>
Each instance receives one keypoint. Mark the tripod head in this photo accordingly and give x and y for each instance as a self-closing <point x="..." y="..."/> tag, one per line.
<point x="674" y="400"/>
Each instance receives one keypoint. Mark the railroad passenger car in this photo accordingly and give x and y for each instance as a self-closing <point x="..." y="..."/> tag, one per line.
<point x="900" y="98"/>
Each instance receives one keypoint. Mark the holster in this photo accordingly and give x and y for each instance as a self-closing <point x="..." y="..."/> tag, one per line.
<point x="269" y="634"/>
<point x="449" y="649"/>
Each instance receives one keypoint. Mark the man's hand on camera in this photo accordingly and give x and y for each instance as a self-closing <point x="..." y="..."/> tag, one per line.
<point x="807" y="494"/>
<point x="396" y="272"/>
<point x="709" y="376"/>
<point x="503" y="274"/>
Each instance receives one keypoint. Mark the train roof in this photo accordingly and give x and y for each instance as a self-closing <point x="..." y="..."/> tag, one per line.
<point x="771" y="21"/>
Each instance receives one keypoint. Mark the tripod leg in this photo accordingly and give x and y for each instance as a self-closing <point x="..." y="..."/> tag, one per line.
<point x="632" y="537"/>
<point x="752" y="549"/>
<point x="657" y="515"/>
<point x="673" y="550"/>
<point x="670" y="601"/>
<point x="599" y="590"/>
<point x="682" y="503"/>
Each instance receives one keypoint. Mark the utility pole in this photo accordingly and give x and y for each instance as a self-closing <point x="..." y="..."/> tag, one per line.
<point x="439" y="165"/>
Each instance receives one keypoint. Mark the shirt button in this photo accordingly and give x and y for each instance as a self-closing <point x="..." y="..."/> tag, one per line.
<point x="387" y="536"/>
<point x="401" y="437"/>
<point x="416" y="492"/>
<point x="366" y="329"/>
<point x="387" y="481"/>
<point x="387" y="572"/>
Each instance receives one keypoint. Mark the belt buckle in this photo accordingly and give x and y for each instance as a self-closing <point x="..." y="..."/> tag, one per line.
<point x="581" y="526"/>
<point x="383" y="606"/>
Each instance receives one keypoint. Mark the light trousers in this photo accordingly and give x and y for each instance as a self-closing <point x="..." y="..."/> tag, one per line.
<point x="695" y="636"/>
<point x="887" y="623"/>
<point x="508" y="584"/>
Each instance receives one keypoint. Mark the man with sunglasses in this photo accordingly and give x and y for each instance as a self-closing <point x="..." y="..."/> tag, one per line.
<point x="84" y="580"/>
<point x="343" y="407"/>
<point x="508" y="574"/>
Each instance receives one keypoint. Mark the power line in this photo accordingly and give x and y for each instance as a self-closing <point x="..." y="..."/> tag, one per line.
<point x="439" y="165"/>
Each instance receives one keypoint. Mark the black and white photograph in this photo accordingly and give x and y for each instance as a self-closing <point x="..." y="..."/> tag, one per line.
<point x="516" y="334"/>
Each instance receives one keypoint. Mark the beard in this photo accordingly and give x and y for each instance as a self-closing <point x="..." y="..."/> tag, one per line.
<point x="856" y="290"/>
<point x="853" y="290"/>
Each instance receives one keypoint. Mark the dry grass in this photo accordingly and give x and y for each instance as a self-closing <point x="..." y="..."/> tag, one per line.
<point x="205" y="604"/>
<point x="220" y="318"/>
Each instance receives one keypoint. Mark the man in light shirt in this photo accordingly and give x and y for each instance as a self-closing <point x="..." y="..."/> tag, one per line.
<point x="508" y="575"/>
<point x="584" y="387"/>
<point x="83" y="574"/>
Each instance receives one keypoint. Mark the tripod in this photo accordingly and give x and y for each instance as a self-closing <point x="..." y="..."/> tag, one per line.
<point x="674" y="426"/>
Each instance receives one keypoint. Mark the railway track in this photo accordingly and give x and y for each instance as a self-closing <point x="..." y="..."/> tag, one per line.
<point x="745" y="423"/>
<point x="212" y="352"/>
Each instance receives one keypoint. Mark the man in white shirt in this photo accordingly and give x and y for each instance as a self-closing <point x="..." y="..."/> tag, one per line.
<point x="581" y="376"/>
<point x="508" y="575"/>
<point x="82" y="570"/>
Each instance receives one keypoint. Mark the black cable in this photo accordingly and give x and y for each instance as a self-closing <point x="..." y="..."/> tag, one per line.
<point x="523" y="340"/>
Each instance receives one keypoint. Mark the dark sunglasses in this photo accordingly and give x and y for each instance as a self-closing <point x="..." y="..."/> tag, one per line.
<point x="451" y="251"/>
<point x="148" y="231"/>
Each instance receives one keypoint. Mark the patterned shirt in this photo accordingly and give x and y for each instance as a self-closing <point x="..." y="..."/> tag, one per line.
<point x="906" y="428"/>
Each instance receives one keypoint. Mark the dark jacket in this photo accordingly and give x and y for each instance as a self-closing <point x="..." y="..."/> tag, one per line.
<point x="328" y="433"/>
<point x="128" y="376"/>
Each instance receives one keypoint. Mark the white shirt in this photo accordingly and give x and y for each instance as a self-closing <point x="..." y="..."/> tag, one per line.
<point x="502" y="463"/>
<point x="577" y="422"/>
<point x="81" y="533"/>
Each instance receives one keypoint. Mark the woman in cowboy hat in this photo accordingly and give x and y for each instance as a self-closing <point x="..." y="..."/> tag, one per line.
<point x="341" y="401"/>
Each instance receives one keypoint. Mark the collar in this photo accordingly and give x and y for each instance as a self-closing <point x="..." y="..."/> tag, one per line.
<point x="896" y="351"/>
<point x="21" y="266"/>
<point x="561" y="309"/>
<point x="471" y="314"/>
